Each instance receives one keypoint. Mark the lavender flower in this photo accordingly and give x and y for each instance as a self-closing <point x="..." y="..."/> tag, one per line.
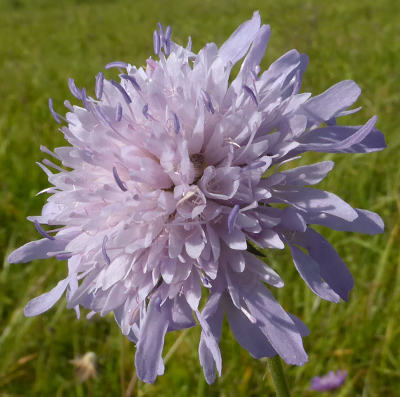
<point x="172" y="179"/>
<point x="328" y="382"/>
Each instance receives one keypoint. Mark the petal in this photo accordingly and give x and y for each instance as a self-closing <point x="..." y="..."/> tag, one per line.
<point x="335" y="99"/>
<point x="44" y="302"/>
<point x="209" y="353"/>
<point x="115" y="298"/>
<point x="333" y="269"/>
<point x="277" y="325"/>
<point x="309" y="174"/>
<point x="282" y="66"/>
<point x="263" y="271"/>
<point x="304" y="331"/>
<point x="39" y="249"/>
<point x="182" y="316"/>
<point x="292" y="220"/>
<point x="325" y="139"/>
<point x="195" y="244"/>
<point x="192" y="290"/>
<point x="248" y="335"/>
<point x="268" y="239"/>
<point x="310" y="273"/>
<point x="339" y="146"/>
<point x="255" y="55"/>
<point x="116" y="271"/>
<point x="213" y="240"/>
<point x="235" y="260"/>
<point x="314" y="200"/>
<point x="148" y="358"/>
<point x="220" y="183"/>
<point x="168" y="269"/>
<point x="235" y="240"/>
<point x="367" y="222"/>
<point x="239" y="42"/>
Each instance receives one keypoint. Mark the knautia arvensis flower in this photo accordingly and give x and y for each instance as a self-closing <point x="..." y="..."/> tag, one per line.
<point x="172" y="179"/>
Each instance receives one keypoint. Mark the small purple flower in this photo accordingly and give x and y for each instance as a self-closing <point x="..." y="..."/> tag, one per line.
<point x="328" y="382"/>
<point x="172" y="180"/>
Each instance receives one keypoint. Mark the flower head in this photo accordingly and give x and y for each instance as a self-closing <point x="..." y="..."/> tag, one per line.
<point x="330" y="381"/>
<point x="172" y="179"/>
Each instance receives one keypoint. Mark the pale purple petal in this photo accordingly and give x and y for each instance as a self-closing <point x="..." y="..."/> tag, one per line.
<point x="46" y="301"/>
<point x="354" y="139"/>
<point x="310" y="273"/>
<point x="209" y="353"/>
<point x="367" y="222"/>
<point x="325" y="139"/>
<point x="315" y="201"/>
<point x="247" y="334"/>
<point x="39" y="249"/>
<point x="308" y="174"/>
<point x="148" y="358"/>
<point x="277" y="325"/>
<point x="333" y="269"/>
<point x="239" y="42"/>
<point x="334" y="100"/>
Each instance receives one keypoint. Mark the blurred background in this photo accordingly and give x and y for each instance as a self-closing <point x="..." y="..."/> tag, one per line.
<point x="43" y="43"/>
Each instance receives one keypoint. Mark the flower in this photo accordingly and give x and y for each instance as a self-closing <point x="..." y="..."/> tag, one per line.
<point x="172" y="179"/>
<point x="328" y="382"/>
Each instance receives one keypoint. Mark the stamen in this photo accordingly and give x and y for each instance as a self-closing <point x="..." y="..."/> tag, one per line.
<point x="51" y="164"/>
<point x="118" y="113"/>
<point x="205" y="280"/>
<point x="232" y="218"/>
<point x="156" y="42"/>
<point x="161" y="30"/>
<point x="42" y="232"/>
<point x="99" y="85"/>
<point x="103" y="250"/>
<point x="132" y="80"/>
<point x="44" y="149"/>
<point x="54" y="114"/>
<point x="68" y="105"/>
<point x="84" y="99"/>
<point x="177" y="125"/>
<point x="167" y="40"/>
<point x="119" y="87"/>
<point x="145" y="110"/>
<point x="168" y="33"/>
<point x="189" y="44"/>
<point x="76" y="92"/>
<point x="207" y="101"/>
<point x="230" y="141"/>
<point x="118" y="180"/>
<point x="116" y="64"/>
<point x="251" y="93"/>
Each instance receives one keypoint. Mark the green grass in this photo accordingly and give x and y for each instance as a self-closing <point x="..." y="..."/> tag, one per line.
<point x="43" y="42"/>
